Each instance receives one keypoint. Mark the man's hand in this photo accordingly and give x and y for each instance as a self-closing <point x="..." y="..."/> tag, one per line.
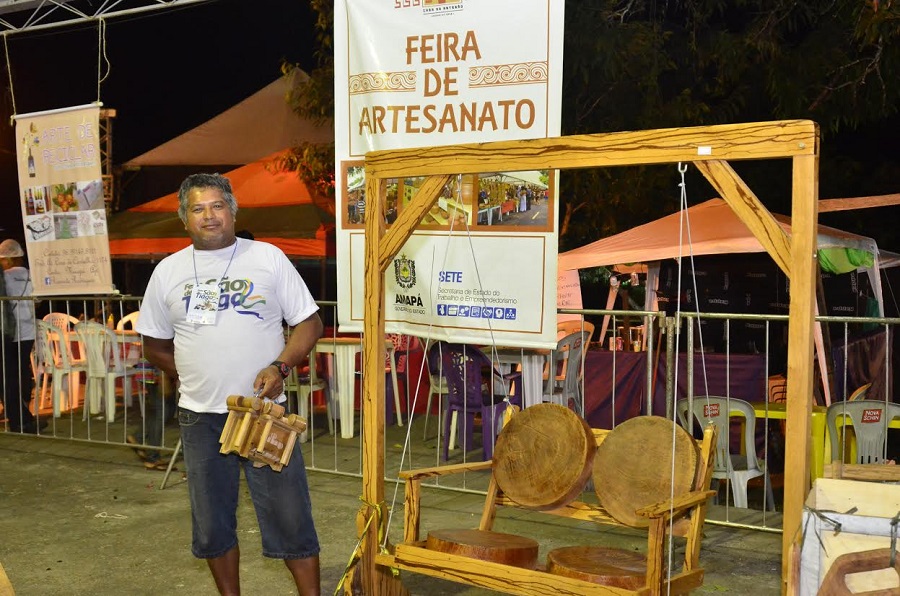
<point x="268" y="382"/>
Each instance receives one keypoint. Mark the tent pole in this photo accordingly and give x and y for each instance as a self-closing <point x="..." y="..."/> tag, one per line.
<point x="826" y="361"/>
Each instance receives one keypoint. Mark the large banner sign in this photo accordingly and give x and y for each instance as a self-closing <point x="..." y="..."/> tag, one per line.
<point x="481" y="266"/>
<point x="61" y="194"/>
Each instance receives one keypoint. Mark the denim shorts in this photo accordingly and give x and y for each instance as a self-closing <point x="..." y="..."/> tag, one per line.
<point x="281" y="499"/>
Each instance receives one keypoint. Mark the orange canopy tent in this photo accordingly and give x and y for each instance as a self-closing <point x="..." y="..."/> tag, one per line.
<point x="275" y="206"/>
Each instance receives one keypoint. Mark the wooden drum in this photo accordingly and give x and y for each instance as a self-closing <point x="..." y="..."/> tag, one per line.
<point x="543" y="457"/>
<point x="633" y="467"/>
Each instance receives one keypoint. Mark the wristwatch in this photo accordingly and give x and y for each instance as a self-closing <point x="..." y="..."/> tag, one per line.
<point x="283" y="368"/>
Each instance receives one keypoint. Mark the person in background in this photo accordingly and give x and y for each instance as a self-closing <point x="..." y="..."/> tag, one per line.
<point x="17" y="352"/>
<point x="160" y="409"/>
<point x="212" y="318"/>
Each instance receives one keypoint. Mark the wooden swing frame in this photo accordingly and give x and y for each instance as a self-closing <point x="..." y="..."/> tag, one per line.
<point x="709" y="148"/>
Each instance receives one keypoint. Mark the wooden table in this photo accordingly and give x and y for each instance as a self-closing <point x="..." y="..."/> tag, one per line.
<point x="342" y="379"/>
<point x="818" y="431"/>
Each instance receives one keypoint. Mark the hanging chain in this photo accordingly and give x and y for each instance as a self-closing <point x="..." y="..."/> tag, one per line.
<point x="101" y="55"/>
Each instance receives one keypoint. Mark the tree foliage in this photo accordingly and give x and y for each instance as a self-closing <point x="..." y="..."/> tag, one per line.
<point x="644" y="64"/>
<point x="313" y="99"/>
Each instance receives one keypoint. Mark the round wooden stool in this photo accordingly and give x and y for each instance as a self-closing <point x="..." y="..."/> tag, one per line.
<point x="633" y="467"/>
<point x="496" y="547"/>
<point x="607" y="566"/>
<point x="543" y="457"/>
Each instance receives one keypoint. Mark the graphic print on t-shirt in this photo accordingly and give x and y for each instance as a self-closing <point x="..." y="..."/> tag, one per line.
<point x="236" y="294"/>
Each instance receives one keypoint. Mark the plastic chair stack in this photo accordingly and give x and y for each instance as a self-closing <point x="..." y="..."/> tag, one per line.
<point x="564" y="328"/>
<point x="565" y="369"/>
<point x="53" y="355"/>
<point x="398" y="362"/>
<point x="104" y="366"/>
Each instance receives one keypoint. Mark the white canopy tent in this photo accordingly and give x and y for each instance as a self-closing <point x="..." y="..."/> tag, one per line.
<point x="709" y="228"/>
<point x="712" y="228"/>
<point x="531" y="177"/>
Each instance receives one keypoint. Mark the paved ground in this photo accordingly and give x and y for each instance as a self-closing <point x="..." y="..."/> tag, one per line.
<point x="79" y="518"/>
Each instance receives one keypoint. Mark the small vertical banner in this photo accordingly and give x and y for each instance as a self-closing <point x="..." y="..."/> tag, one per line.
<point x="568" y="294"/>
<point x="61" y="195"/>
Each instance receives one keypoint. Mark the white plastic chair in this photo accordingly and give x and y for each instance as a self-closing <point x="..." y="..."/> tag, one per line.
<point x="53" y="355"/>
<point x="65" y="324"/>
<point x="737" y="469"/>
<point x="131" y="350"/>
<point x="304" y="384"/>
<point x="128" y="321"/>
<point x="104" y="366"/>
<point x="870" y="419"/>
<point x="61" y="320"/>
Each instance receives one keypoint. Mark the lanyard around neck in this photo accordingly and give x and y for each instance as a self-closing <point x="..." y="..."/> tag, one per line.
<point x="224" y="273"/>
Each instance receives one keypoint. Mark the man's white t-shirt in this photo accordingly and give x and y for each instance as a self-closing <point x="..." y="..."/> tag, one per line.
<point x="259" y="287"/>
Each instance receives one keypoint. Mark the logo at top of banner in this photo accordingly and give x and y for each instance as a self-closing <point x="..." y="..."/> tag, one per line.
<point x="441" y="6"/>
<point x="405" y="272"/>
<point x="432" y="7"/>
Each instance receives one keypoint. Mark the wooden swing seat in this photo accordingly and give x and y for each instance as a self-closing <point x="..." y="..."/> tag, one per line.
<point x="539" y="465"/>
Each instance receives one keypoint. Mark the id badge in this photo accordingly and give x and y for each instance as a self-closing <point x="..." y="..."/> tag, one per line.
<point x="204" y="304"/>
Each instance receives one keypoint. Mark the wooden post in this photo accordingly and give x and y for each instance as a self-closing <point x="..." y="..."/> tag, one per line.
<point x="381" y="246"/>
<point x="373" y="579"/>
<point x="804" y="220"/>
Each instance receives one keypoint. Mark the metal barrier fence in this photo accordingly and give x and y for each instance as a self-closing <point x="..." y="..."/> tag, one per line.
<point x="675" y="360"/>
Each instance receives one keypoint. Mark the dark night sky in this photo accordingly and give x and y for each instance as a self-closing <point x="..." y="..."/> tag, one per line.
<point x="170" y="70"/>
<point x="174" y="68"/>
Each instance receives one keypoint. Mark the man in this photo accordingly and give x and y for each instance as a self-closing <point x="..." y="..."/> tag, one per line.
<point x="212" y="318"/>
<point x="17" y="350"/>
